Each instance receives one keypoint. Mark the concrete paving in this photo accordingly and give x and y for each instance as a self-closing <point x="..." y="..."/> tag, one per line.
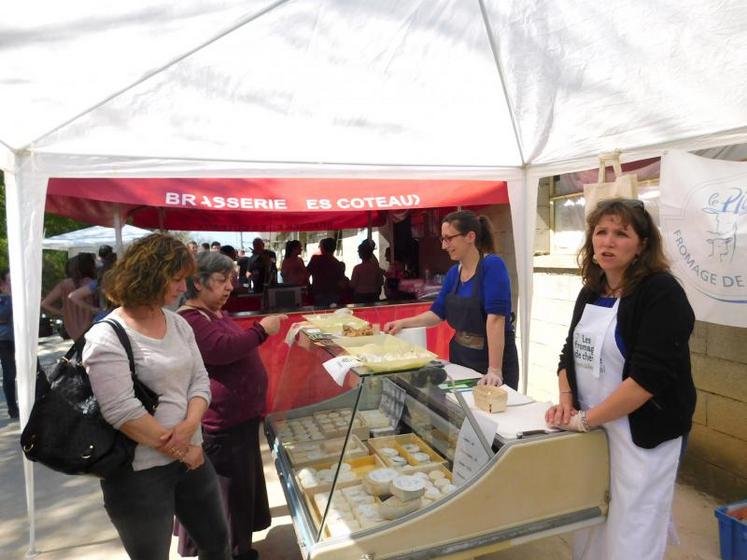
<point x="71" y="522"/>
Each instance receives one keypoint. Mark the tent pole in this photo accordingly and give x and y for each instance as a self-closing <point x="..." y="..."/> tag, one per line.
<point x="119" y="245"/>
<point x="161" y="220"/>
<point x="25" y="191"/>
<point x="369" y="227"/>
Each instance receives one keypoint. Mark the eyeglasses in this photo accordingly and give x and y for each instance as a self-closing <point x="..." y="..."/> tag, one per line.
<point x="447" y="238"/>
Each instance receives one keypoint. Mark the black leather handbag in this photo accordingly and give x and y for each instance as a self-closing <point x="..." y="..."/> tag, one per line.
<point x="66" y="431"/>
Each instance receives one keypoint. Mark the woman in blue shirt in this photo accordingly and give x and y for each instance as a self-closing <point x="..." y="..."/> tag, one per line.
<point x="475" y="300"/>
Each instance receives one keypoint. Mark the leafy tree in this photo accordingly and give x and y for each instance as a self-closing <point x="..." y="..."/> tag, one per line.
<point x="53" y="262"/>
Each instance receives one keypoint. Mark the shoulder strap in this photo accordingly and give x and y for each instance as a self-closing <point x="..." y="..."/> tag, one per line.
<point x="124" y="340"/>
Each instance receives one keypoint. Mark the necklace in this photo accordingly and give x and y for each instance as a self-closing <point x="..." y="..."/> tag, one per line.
<point x="613" y="291"/>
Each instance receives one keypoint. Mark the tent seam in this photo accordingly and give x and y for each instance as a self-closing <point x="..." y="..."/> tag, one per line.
<point x="501" y="75"/>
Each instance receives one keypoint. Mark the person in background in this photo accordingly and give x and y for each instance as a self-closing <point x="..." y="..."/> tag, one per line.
<point x="168" y="475"/>
<point x="92" y="292"/>
<point x="367" y="278"/>
<point x="205" y="246"/>
<point x="327" y="274"/>
<point x="292" y="270"/>
<point x="192" y="246"/>
<point x="243" y="262"/>
<point x="475" y="300"/>
<point x="215" y="246"/>
<point x="7" y="344"/>
<point x="81" y="271"/>
<point x="625" y="367"/>
<point x="262" y="266"/>
<point x="394" y="273"/>
<point x="238" y="382"/>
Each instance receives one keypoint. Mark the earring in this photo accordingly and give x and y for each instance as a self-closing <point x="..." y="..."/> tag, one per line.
<point x="594" y="259"/>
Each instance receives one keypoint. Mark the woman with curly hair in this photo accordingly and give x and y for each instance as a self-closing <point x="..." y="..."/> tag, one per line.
<point x="168" y="475"/>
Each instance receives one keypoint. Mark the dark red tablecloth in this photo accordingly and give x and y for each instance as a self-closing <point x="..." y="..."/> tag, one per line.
<point x="297" y="368"/>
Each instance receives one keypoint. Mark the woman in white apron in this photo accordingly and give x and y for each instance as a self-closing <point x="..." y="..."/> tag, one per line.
<point x="625" y="367"/>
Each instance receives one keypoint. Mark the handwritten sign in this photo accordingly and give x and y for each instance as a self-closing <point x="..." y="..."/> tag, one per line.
<point x="338" y="367"/>
<point x="470" y="455"/>
<point x="392" y="400"/>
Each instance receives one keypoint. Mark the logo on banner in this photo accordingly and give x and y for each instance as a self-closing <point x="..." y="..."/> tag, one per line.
<point x="708" y="240"/>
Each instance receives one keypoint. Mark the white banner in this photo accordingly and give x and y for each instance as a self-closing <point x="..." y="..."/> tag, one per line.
<point x="704" y="224"/>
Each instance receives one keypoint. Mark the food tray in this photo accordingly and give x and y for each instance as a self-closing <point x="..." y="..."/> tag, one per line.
<point x="359" y="465"/>
<point x="385" y="353"/>
<point x="327" y="450"/>
<point x="331" y="429"/>
<point x="397" y="442"/>
<point x="332" y="323"/>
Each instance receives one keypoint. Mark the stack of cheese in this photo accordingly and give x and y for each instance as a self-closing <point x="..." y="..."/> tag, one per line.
<point x="311" y="478"/>
<point x="376" y="419"/>
<point x="299" y="429"/>
<point x="416" y="453"/>
<point x="350" y="510"/>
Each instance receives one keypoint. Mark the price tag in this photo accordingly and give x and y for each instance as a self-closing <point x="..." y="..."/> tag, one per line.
<point x="470" y="455"/>
<point x="392" y="400"/>
<point x="338" y="367"/>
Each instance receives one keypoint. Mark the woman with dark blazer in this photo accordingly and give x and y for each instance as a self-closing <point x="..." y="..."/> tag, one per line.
<point x="625" y="367"/>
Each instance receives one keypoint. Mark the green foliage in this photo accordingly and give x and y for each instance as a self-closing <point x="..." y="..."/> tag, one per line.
<point x="53" y="262"/>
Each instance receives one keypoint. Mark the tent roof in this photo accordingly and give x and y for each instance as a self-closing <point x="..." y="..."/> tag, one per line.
<point x="397" y="82"/>
<point x="93" y="236"/>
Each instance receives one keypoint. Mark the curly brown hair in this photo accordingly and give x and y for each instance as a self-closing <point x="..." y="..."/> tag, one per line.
<point x="631" y="212"/>
<point x="143" y="275"/>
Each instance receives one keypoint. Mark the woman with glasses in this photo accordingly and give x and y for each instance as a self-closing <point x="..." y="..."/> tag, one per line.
<point x="625" y="367"/>
<point x="475" y="300"/>
<point x="238" y="382"/>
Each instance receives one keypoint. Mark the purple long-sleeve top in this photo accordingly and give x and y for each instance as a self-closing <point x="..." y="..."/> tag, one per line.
<point x="238" y="379"/>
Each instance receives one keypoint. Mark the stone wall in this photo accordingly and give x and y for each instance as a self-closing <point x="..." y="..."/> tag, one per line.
<point x="716" y="459"/>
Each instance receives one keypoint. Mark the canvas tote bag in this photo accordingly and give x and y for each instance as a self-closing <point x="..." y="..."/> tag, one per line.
<point x="624" y="186"/>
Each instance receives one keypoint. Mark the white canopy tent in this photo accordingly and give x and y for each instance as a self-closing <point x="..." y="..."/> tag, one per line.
<point x="351" y="88"/>
<point x="91" y="238"/>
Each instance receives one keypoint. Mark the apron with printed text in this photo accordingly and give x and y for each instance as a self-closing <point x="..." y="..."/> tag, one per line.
<point x="641" y="480"/>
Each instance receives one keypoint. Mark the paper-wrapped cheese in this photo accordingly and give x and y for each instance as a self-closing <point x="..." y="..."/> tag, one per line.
<point x="394" y="508"/>
<point x="376" y="482"/>
<point x="407" y="488"/>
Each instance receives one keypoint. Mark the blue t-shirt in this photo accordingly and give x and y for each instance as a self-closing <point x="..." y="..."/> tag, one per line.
<point x="496" y="288"/>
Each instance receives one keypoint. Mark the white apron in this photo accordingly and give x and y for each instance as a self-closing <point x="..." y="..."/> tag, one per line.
<point x="641" y="480"/>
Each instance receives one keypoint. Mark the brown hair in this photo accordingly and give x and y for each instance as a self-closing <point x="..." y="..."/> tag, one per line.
<point x="465" y="221"/>
<point x="143" y="275"/>
<point x="651" y="259"/>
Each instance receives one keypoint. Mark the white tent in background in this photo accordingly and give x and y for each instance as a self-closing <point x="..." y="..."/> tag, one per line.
<point x="479" y="89"/>
<point x="91" y="238"/>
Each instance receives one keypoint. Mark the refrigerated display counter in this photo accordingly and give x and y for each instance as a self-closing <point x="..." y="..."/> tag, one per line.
<point x="400" y="465"/>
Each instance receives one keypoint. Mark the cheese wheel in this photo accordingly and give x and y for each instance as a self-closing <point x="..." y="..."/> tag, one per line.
<point x="394" y="508"/>
<point x="407" y="488"/>
<point x="411" y="447"/>
<point x="376" y="482"/>
<point x="432" y="493"/>
<point x="421" y="457"/>
<point x="388" y="451"/>
<point x="435" y="475"/>
<point x="441" y="483"/>
<point x="398" y="461"/>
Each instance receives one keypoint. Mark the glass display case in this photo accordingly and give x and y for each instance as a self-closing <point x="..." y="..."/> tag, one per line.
<point x="399" y="464"/>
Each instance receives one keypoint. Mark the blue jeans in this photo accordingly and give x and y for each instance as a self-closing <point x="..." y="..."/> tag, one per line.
<point x="142" y="505"/>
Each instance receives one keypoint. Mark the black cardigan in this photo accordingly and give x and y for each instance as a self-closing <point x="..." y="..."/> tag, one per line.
<point x="655" y="323"/>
